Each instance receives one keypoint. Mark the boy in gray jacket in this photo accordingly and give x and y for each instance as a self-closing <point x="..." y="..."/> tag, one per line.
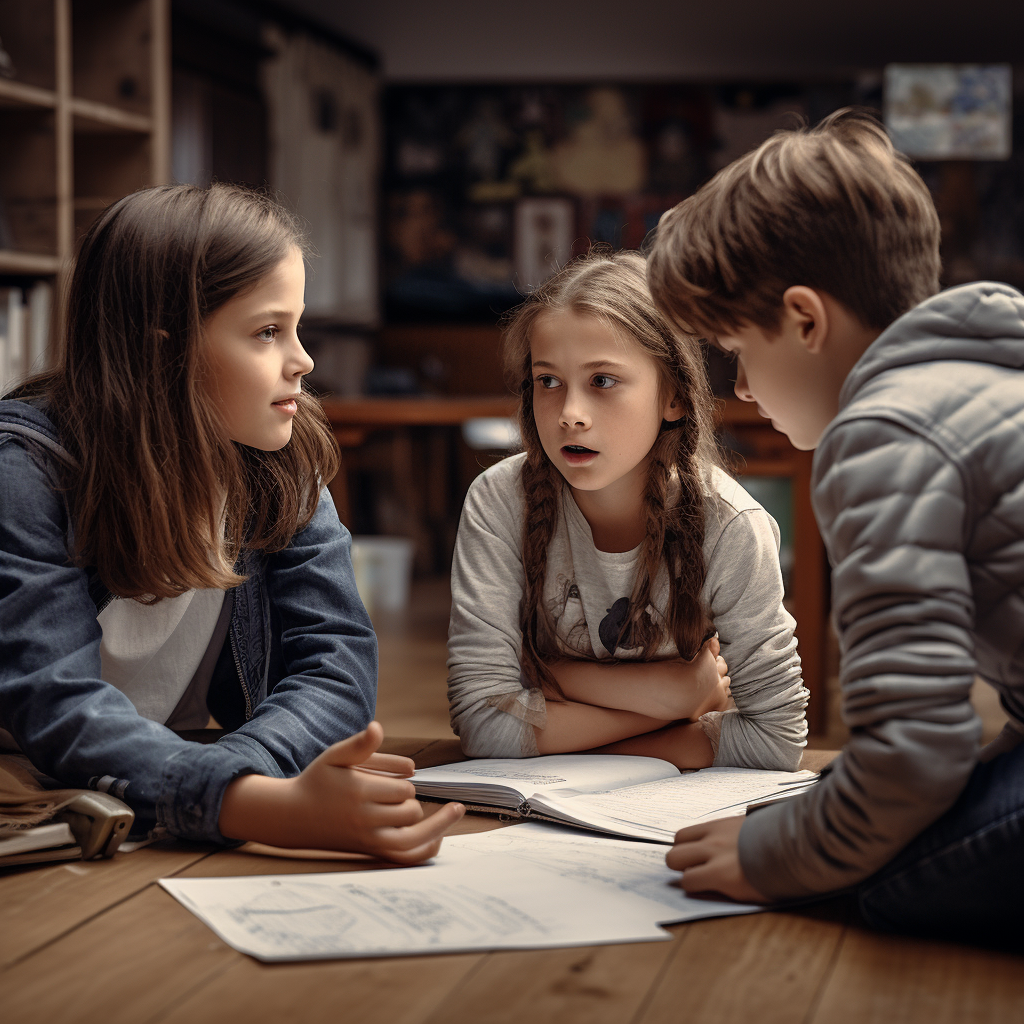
<point x="814" y="261"/>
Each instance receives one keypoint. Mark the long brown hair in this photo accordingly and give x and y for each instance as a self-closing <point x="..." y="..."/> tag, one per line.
<point x="160" y="501"/>
<point x="613" y="288"/>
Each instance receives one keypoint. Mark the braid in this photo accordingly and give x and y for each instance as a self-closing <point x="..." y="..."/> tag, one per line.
<point x="688" y="620"/>
<point x="541" y="495"/>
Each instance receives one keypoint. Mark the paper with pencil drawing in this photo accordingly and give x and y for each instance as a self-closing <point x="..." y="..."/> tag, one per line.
<point x="636" y="868"/>
<point x="490" y="902"/>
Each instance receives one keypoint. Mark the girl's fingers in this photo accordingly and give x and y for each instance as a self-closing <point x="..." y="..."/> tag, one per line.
<point x="383" y="789"/>
<point x="409" y="812"/>
<point x="415" y="856"/>
<point x="393" y="763"/>
<point x="393" y="841"/>
<point x="356" y="749"/>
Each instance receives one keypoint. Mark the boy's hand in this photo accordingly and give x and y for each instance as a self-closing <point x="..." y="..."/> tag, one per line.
<point x="347" y="799"/>
<point x="708" y="856"/>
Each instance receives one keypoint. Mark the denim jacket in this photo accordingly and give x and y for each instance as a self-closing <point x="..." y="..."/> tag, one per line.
<point x="297" y="673"/>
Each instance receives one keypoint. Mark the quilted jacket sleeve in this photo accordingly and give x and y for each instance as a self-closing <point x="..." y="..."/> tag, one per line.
<point x="893" y="511"/>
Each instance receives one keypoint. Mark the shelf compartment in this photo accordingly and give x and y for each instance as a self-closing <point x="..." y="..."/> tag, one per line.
<point x="112" y="58"/>
<point x="28" y="181"/>
<point x="107" y="166"/>
<point x="29" y="38"/>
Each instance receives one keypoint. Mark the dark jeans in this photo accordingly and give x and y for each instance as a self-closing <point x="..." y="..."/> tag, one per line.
<point x="963" y="877"/>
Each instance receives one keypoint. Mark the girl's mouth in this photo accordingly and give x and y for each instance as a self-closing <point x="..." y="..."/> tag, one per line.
<point x="288" y="406"/>
<point x="577" y="454"/>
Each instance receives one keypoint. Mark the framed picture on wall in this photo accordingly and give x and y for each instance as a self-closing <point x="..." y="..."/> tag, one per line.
<point x="950" y="111"/>
<point x="543" y="233"/>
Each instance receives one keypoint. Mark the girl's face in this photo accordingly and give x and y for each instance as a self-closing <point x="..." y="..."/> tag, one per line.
<point x="598" y="402"/>
<point x="256" y="362"/>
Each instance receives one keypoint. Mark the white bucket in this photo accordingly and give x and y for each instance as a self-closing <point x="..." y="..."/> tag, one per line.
<point x="383" y="571"/>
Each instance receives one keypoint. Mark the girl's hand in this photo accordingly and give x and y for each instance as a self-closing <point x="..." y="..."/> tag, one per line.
<point x="716" y="683"/>
<point x="349" y="799"/>
<point x="690" y="689"/>
<point x="708" y="856"/>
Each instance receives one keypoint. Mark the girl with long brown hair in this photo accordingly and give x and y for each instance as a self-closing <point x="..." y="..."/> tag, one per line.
<point x="612" y="587"/>
<point x="168" y="550"/>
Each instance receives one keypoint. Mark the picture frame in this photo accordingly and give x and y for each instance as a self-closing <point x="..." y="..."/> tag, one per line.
<point x="544" y="229"/>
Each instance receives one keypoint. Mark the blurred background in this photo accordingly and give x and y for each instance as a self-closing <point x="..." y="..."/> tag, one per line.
<point x="446" y="158"/>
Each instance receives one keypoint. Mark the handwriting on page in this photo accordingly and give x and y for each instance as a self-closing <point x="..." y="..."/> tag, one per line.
<point x="667" y="802"/>
<point x="503" y="773"/>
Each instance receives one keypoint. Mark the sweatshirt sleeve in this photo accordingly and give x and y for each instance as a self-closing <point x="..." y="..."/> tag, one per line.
<point x="484" y="638"/>
<point x="768" y="728"/>
<point x="892" y="508"/>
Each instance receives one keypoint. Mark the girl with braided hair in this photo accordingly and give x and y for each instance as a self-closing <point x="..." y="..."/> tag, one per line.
<point x="604" y="577"/>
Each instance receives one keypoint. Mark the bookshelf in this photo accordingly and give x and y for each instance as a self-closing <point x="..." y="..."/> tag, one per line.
<point x="85" y="119"/>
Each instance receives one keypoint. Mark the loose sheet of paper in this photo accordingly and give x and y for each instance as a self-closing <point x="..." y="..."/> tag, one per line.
<point x="659" y="809"/>
<point x="635" y="868"/>
<point x="487" y="903"/>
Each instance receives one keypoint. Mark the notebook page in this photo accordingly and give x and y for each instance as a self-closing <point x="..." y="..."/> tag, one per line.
<point x="667" y="805"/>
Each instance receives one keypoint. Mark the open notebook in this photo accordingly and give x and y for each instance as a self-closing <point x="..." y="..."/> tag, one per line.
<point x="639" y="797"/>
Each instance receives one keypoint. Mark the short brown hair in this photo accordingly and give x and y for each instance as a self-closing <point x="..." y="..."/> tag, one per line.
<point x="834" y="207"/>
<point x="160" y="501"/>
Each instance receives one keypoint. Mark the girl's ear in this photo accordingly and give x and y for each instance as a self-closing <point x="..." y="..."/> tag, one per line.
<point x="673" y="410"/>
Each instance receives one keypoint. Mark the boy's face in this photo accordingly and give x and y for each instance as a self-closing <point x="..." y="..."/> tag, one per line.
<point x="792" y="386"/>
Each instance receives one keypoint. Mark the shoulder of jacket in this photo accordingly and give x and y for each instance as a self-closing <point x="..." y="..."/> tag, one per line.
<point x="28" y="423"/>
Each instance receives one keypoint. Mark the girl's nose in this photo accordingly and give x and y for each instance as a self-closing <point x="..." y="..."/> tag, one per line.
<point x="574" y="413"/>
<point x="742" y="391"/>
<point x="300" y="363"/>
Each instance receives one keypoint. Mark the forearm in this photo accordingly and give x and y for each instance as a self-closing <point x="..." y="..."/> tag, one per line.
<point x="685" y="745"/>
<point x="258" y="808"/>
<point x="571" y="726"/>
<point x="663" y="690"/>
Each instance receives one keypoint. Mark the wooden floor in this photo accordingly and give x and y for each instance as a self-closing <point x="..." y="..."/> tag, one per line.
<point x="101" y="943"/>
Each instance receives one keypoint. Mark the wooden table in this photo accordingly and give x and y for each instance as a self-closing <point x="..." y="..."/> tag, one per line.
<point x="101" y="943"/>
<point x="417" y="457"/>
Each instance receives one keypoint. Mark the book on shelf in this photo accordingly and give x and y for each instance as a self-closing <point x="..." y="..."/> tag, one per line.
<point x="624" y="795"/>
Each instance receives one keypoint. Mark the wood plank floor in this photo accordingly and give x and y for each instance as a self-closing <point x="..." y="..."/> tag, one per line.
<point x="83" y="943"/>
<point x="146" y="960"/>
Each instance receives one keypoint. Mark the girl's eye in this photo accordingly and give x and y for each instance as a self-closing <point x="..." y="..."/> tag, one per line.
<point x="545" y="380"/>
<point x="267" y="334"/>
<point x="603" y="381"/>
